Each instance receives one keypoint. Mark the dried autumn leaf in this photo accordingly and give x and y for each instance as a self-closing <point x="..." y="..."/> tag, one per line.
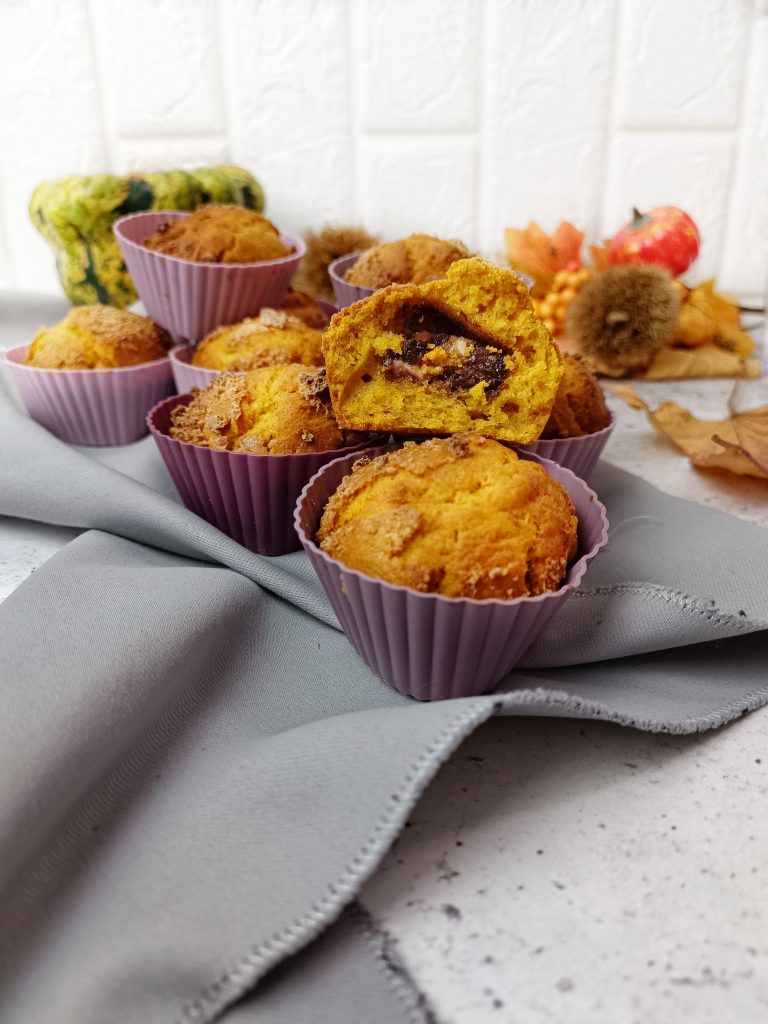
<point x="681" y="364"/>
<point x="707" y="361"/>
<point x="601" y="259"/>
<point x="532" y="251"/>
<point x="628" y="394"/>
<point x="710" y="318"/>
<point x="738" y="444"/>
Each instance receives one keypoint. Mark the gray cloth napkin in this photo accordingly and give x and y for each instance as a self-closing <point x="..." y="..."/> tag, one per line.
<point x="199" y="772"/>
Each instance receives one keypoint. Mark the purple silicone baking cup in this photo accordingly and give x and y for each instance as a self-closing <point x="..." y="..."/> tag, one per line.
<point x="345" y="292"/>
<point x="249" y="497"/>
<point x="191" y="299"/>
<point x="185" y="374"/>
<point x="579" y="454"/>
<point x="428" y="646"/>
<point x="91" y="407"/>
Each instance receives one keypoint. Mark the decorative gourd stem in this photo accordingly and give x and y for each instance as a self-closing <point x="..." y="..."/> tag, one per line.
<point x="639" y="220"/>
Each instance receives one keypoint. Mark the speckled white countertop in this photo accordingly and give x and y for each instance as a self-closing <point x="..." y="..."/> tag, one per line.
<point x="563" y="871"/>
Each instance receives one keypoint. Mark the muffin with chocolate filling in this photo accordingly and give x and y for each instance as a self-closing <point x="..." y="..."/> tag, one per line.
<point x="219" y="233"/>
<point x="579" y="407"/>
<point x="98" y="338"/>
<point x="411" y="260"/>
<point x="460" y="516"/>
<point x="275" y="410"/>
<point x="463" y="353"/>
<point x="271" y="338"/>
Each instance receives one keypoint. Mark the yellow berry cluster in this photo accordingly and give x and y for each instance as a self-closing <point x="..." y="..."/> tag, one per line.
<point x="552" y="308"/>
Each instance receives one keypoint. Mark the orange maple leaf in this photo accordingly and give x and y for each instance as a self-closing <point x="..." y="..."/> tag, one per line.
<point x="532" y="251"/>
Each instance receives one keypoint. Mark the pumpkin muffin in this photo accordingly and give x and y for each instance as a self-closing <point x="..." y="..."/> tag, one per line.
<point x="271" y="338"/>
<point x="275" y="410"/>
<point x="411" y="260"/>
<point x="464" y="353"/>
<point x="98" y="338"/>
<point x="460" y="516"/>
<point x="579" y="407"/>
<point x="304" y="307"/>
<point x="219" y="234"/>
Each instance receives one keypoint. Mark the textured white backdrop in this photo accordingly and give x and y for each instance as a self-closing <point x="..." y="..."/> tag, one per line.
<point x="452" y="116"/>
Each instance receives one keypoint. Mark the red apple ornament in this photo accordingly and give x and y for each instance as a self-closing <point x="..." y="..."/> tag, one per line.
<point x="666" y="237"/>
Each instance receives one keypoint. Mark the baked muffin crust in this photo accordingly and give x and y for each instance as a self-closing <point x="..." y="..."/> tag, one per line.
<point x="461" y="516"/>
<point x="304" y="307"/>
<point x="276" y="410"/>
<point x="271" y="338"/>
<point x="219" y="233"/>
<point x="411" y="260"/>
<point x="98" y="338"/>
<point x="579" y="407"/>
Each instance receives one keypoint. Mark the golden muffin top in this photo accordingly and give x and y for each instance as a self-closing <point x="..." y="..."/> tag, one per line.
<point x="271" y="338"/>
<point x="579" y="407"/>
<point x="411" y="260"/>
<point x="276" y="410"/>
<point x="98" y="338"/>
<point x="219" y="233"/>
<point x="461" y="516"/>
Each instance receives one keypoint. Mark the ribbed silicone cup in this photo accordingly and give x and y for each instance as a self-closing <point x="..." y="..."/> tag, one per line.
<point x="91" y="407"/>
<point x="579" y="454"/>
<point x="185" y="374"/>
<point x="191" y="299"/>
<point x="249" y="497"/>
<point x="346" y="293"/>
<point x="428" y="646"/>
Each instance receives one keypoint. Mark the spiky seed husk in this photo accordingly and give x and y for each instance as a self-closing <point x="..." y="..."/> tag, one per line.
<point x="622" y="317"/>
<point x="323" y="247"/>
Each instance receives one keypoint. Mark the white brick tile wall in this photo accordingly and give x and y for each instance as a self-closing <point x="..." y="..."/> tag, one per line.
<point x="50" y="118"/>
<point x="287" y="82"/>
<point x="550" y="68"/>
<point x="743" y="265"/>
<point x="410" y="183"/>
<point x="421" y="65"/>
<point x="681" y="62"/>
<point x="186" y="153"/>
<point x="452" y="116"/>
<point x="159" y="67"/>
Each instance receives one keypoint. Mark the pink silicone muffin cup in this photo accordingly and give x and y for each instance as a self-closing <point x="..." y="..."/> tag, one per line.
<point x="345" y="292"/>
<point x="249" y="497"/>
<point x="428" y="646"/>
<point x="579" y="454"/>
<point x="185" y="374"/>
<point x="191" y="299"/>
<point x="91" y="407"/>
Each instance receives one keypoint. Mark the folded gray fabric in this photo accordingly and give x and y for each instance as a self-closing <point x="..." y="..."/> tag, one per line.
<point x="200" y="772"/>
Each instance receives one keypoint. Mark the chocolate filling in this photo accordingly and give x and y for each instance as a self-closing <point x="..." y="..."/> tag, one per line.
<point x="471" y="357"/>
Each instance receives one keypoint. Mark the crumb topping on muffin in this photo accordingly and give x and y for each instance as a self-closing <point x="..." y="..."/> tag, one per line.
<point x="271" y="338"/>
<point x="219" y="233"/>
<point x="411" y="260"/>
<point x="98" y="337"/>
<point x="461" y="516"/>
<point x="276" y="410"/>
